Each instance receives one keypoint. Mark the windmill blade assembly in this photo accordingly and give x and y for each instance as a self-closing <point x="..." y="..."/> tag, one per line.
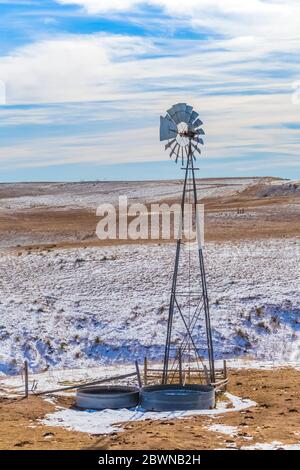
<point x="181" y="126"/>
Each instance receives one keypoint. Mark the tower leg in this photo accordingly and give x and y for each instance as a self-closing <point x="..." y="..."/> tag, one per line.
<point x="204" y="289"/>
<point x="171" y="314"/>
<point x="174" y="284"/>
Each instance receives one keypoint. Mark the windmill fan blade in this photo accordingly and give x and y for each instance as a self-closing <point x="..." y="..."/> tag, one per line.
<point x="181" y="106"/>
<point x="200" y="132"/>
<point x="176" y="119"/>
<point x="177" y="156"/>
<point x="171" y="112"/>
<point x="170" y="144"/>
<point x="197" y="123"/>
<point x="196" y="148"/>
<point x="174" y="150"/>
<point x="185" y="117"/>
<point x="167" y="128"/>
<point x="198" y="140"/>
<point x="193" y="117"/>
<point x="189" y="109"/>
<point x="181" y="112"/>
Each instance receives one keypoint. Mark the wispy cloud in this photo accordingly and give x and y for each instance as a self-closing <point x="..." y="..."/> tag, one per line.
<point x="230" y="17"/>
<point x="234" y="61"/>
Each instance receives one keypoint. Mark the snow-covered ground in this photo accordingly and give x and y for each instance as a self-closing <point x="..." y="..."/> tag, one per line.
<point x="91" y="194"/>
<point x="85" y="307"/>
<point x="282" y="188"/>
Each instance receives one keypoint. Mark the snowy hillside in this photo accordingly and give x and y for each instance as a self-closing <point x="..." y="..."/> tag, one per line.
<point x="83" y="307"/>
<point x="285" y="188"/>
<point x="90" y="194"/>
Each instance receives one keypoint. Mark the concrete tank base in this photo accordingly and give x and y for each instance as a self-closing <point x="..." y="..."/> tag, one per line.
<point x="107" y="397"/>
<point x="177" y="397"/>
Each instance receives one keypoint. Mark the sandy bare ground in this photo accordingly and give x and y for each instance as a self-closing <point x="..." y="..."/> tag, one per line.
<point x="20" y="429"/>
<point x="275" y="418"/>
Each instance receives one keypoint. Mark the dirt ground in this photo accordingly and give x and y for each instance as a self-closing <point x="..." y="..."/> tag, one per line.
<point x="260" y="218"/>
<point x="275" y="418"/>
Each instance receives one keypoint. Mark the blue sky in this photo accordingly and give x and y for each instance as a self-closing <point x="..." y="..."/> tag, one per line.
<point x="83" y="82"/>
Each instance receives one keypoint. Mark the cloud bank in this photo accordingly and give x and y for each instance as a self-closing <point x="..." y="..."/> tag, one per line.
<point x="236" y="63"/>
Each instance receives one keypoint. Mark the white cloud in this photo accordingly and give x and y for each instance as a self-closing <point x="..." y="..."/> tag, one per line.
<point x="132" y="86"/>
<point x="67" y="69"/>
<point x="277" y="19"/>
<point x="230" y="125"/>
<point x="107" y="67"/>
<point x="100" y="148"/>
<point x="137" y="78"/>
<point x="103" y="6"/>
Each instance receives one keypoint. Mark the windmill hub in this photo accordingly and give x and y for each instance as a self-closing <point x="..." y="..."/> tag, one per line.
<point x="187" y="134"/>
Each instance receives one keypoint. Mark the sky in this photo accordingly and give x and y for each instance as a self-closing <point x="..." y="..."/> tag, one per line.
<point x="83" y="83"/>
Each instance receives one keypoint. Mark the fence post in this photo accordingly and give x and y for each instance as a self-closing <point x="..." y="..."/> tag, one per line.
<point x="206" y="374"/>
<point x="26" y="378"/>
<point x="225" y="372"/>
<point x="138" y="374"/>
<point x="180" y="366"/>
<point x="145" y="370"/>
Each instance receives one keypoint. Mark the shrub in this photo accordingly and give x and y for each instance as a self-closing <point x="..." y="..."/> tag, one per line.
<point x="242" y="334"/>
<point x="275" y="321"/>
<point x="259" y="311"/>
<point x="263" y="326"/>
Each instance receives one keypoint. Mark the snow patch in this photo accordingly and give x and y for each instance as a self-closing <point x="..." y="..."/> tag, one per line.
<point x="223" y="429"/>
<point x="109" y="421"/>
<point x="275" y="445"/>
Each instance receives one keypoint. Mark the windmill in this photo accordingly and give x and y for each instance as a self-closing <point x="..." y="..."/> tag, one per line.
<point x="182" y="128"/>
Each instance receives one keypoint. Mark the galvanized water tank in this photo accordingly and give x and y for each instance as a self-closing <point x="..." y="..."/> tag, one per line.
<point x="177" y="397"/>
<point x="110" y="397"/>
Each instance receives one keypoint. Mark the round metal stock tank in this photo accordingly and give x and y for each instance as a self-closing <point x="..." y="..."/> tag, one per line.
<point x="111" y="397"/>
<point x="177" y="397"/>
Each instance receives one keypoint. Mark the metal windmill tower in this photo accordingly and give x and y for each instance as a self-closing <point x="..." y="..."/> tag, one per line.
<point x="181" y="127"/>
